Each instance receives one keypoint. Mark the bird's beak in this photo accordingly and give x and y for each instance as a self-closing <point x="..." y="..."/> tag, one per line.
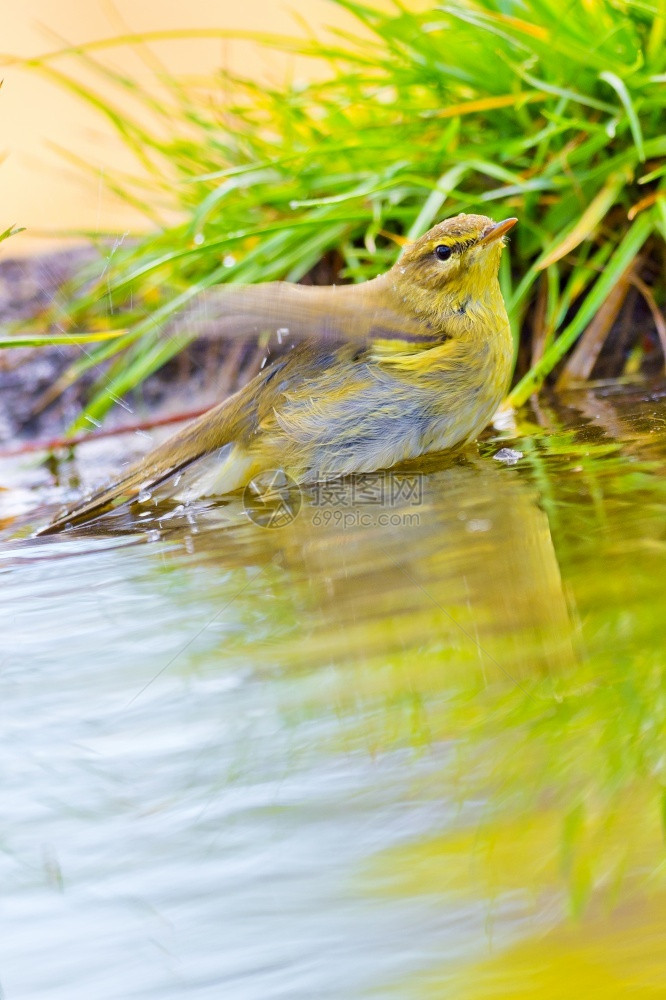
<point x="497" y="231"/>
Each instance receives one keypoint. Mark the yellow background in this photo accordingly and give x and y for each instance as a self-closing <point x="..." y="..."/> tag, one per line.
<point x="40" y="190"/>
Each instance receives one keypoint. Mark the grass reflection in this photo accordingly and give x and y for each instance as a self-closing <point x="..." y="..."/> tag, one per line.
<point x="515" y="629"/>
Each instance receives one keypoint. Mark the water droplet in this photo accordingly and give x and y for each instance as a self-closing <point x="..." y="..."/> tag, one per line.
<point x="198" y="239"/>
<point x="509" y="456"/>
<point x="121" y="402"/>
<point x="144" y="496"/>
<point x="229" y="260"/>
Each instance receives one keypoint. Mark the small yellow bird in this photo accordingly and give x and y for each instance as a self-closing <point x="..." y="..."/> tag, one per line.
<point x="414" y="361"/>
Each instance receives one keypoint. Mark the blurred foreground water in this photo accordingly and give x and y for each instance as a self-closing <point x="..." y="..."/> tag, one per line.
<point x="406" y="746"/>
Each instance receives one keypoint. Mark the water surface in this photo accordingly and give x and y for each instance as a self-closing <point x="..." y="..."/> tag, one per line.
<point x="408" y="745"/>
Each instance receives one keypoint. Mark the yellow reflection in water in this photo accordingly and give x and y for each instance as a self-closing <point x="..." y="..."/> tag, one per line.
<point x="468" y="571"/>
<point x="611" y="956"/>
<point x="509" y="625"/>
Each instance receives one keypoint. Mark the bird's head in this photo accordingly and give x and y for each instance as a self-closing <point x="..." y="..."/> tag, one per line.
<point x="456" y="261"/>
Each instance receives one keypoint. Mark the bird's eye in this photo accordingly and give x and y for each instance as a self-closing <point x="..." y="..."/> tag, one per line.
<point x="443" y="252"/>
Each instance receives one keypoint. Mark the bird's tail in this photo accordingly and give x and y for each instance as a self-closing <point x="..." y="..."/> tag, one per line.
<point x="155" y="468"/>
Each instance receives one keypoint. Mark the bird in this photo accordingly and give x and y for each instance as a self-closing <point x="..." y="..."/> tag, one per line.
<point x="415" y="360"/>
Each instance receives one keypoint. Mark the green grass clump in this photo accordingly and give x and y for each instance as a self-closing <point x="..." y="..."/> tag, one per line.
<point x="548" y="112"/>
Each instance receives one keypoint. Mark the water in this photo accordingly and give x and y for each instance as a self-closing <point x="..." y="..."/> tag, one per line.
<point x="404" y="749"/>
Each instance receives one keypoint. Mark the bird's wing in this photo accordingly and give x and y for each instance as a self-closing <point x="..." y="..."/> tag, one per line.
<point x="282" y="310"/>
